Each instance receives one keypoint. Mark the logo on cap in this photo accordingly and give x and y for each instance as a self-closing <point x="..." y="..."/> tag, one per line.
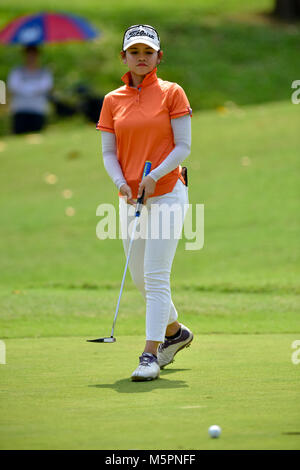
<point x="140" y="32"/>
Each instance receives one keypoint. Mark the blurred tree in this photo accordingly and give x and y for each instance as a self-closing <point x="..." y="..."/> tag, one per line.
<point x="287" y="9"/>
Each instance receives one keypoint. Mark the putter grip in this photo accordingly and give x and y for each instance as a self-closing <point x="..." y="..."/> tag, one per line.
<point x="146" y="172"/>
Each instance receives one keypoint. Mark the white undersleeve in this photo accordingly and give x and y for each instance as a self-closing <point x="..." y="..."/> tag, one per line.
<point x="182" y="138"/>
<point x="110" y="159"/>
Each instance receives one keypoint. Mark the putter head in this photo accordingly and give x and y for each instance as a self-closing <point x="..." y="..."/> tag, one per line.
<point x="111" y="339"/>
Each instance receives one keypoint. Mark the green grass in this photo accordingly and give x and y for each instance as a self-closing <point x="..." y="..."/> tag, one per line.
<point x="239" y="294"/>
<point x="49" y="312"/>
<point x="251" y="228"/>
<point x="63" y="393"/>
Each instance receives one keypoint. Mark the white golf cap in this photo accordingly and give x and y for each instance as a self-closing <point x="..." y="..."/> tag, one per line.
<point x="141" y="33"/>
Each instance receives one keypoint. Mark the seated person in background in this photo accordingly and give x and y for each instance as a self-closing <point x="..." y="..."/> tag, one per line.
<point x="29" y="86"/>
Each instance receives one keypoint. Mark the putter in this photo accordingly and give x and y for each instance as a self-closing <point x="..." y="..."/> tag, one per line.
<point x="140" y="201"/>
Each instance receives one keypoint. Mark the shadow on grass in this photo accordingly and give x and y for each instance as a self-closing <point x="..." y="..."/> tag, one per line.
<point x="127" y="386"/>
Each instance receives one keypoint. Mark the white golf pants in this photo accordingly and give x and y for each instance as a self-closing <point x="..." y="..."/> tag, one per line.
<point x="157" y="234"/>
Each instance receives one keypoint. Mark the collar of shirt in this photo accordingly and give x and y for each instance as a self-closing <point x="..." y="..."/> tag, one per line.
<point x="148" y="79"/>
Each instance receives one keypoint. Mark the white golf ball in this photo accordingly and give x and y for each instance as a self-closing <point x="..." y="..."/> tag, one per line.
<point x="214" y="431"/>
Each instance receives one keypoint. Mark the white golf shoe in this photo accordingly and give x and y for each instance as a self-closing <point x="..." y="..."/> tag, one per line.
<point x="148" y="368"/>
<point x="168" y="349"/>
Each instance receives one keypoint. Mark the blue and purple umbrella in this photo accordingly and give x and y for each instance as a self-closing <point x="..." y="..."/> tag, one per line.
<point x="47" y="28"/>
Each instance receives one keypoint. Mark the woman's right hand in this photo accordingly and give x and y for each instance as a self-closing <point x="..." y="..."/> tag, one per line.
<point x="126" y="191"/>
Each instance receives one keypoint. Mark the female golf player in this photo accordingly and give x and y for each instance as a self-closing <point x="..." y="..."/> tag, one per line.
<point x="149" y="119"/>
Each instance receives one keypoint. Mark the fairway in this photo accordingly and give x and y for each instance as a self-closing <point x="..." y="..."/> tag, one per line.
<point x="75" y="395"/>
<point x="239" y="295"/>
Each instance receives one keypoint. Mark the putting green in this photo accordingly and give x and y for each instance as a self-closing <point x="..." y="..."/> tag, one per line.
<point x="64" y="393"/>
<point x="239" y="295"/>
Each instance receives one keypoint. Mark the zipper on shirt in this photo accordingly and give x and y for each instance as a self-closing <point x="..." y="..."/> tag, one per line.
<point x="138" y="94"/>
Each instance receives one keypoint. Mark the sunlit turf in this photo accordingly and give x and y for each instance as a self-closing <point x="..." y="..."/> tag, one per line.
<point x="239" y="295"/>
<point x="64" y="393"/>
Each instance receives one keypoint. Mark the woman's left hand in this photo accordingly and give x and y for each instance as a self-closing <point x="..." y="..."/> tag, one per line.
<point x="149" y="185"/>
